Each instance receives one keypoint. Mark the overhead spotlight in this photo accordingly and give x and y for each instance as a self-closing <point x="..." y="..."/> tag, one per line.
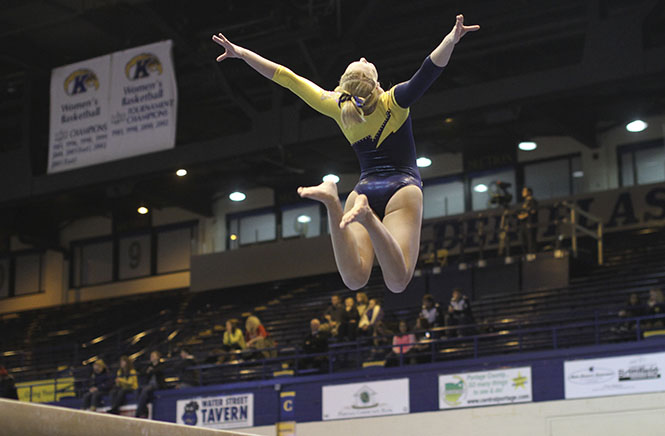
<point x="142" y="210"/>
<point x="233" y="236"/>
<point x="423" y="162"/>
<point x="237" y="196"/>
<point x="304" y="219"/>
<point x="448" y="120"/>
<point x="636" y="126"/>
<point x="481" y="187"/>
<point x="331" y="178"/>
<point x="527" y="146"/>
<point x="181" y="172"/>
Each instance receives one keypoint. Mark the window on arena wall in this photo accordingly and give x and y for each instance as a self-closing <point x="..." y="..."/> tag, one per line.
<point x="250" y="229"/>
<point x="443" y="198"/>
<point x="126" y="256"/>
<point x="641" y="164"/>
<point x="555" y="178"/>
<point x="4" y="277"/>
<point x="483" y="184"/>
<point x="301" y="220"/>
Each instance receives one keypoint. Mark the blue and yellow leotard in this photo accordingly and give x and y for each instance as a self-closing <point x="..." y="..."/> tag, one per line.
<point x="384" y="143"/>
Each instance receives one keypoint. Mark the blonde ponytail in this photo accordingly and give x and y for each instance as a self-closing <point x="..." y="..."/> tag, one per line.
<point x="363" y="93"/>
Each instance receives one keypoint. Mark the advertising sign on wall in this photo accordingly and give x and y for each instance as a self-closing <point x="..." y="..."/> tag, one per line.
<point x="614" y="376"/>
<point x="485" y="388"/>
<point x="229" y="411"/>
<point x="360" y="400"/>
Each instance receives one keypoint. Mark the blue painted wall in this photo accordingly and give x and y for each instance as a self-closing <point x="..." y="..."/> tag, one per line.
<point x="546" y="370"/>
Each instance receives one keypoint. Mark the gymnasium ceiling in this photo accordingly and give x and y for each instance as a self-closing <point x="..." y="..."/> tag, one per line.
<point x="548" y="67"/>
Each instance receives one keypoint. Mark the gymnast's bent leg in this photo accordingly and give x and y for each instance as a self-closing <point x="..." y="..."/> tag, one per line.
<point x="352" y="246"/>
<point x="396" y="240"/>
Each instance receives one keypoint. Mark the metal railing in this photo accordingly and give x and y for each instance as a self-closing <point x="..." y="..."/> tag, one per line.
<point x="575" y="228"/>
<point x="349" y="356"/>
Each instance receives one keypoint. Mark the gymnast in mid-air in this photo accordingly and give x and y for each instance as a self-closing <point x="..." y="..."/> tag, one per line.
<point x="383" y="213"/>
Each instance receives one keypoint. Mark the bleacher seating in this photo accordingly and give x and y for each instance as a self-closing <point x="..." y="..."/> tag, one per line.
<point x="44" y="343"/>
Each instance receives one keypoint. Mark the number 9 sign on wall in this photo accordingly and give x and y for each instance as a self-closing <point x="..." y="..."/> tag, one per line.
<point x="112" y="107"/>
<point x="134" y="258"/>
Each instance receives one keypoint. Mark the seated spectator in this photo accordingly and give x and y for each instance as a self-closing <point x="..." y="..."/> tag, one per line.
<point x="655" y="306"/>
<point x="381" y="339"/>
<point x="349" y="326"/>
<point x="315" y="342"/>
<point x="257" y="338"/>
<point x="126" y="381"/>
<point x="154" y="380"/>
<point x="430" y="310"/>
<point x="187" y="377"/>
<point x="403" y="343"/>
<point x="633" y="308"/>
<point x="370" y="317"/>
<point x="361" y="303"/>
<point x="421" y="351"/>
<point x="459" y="313"/>
<point x="233" y="340"/>
<point x="7" y="385"/>
<point x="334" y="314"/>
<point x="100" y="385"/>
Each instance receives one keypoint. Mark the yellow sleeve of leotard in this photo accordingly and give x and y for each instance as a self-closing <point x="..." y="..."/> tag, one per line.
<point x="319" y="99"/>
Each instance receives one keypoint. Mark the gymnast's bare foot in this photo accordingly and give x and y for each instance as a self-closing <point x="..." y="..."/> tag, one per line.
<point x="326" y="193"/>
<point x="358" y="213"/>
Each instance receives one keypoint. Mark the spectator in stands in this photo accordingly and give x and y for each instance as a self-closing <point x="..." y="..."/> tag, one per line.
<point x="655" y="306"/>
<point x="258" y="339"/>
<point x="334" y="314"/>
<point x="349" y="326"/>
<point x="7" y="385"/>
<point x="381" y="339"/>
<point x="126" y="381"/>
<point x="459" y="313"/>
<point x="632" y="309"/>
<point x="403" y="343"/>
<point x="527" y="216"/>
<point x="187" y="377"/>
<point x="430" y="310"/>
<point x="233" y="340"/>
<point x="101" y="383"/>
<point x="315" y="342"/>
<point x="154" y="380"/>
<point x="361" y="303"/>
<point x="370" y="318"/>
<point x="420" y="351"/>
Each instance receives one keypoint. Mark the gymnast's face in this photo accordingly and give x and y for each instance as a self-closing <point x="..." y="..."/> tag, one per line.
<point x="363" y="66"/>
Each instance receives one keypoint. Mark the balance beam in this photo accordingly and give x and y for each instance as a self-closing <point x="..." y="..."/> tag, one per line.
<point x="22" y="418"/>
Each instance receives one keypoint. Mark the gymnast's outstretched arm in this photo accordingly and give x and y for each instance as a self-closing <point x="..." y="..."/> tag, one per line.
<point x="409" y="92"/>
<point x="322" y="101"/>
<point x="262" y="65"/>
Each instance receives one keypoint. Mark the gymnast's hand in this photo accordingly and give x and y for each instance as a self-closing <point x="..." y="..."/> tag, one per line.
<point x="231" y="50"/>
<point x="459" y="30"/>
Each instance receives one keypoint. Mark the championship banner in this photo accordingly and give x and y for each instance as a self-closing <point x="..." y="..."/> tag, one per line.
<point x="614" y="376"/>
<point x="485" y="388"/>
<point x="220" y="412"/>
<point x="361" y="400"/>
<point x="143" y="100"/>
<point x="79" y="115"/>
<point x="112" y="107"/>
